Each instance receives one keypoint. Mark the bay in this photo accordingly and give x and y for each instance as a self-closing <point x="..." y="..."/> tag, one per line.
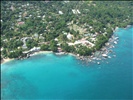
<point x="47" y="76"/>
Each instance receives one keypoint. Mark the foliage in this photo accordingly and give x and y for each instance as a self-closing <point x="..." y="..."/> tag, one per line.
<point x="31" y="43"/>
<point x="84" y="51"/>
<point x="101" y="16"/>
<point x="44" y="47"/>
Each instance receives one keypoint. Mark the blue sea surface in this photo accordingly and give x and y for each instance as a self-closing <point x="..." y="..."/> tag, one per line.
<point x="47" y="76"/>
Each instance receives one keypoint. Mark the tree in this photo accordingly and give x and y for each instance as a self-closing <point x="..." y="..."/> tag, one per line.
<point x="65" y="47"/>
<point x="63" y="37"/>
<point x="53" y="45"/>
<point x="31" y="43"/>
<point x="53" y="48"/>
<point x="15" y="54"/>
<point x="44" y="47"/>
<point x="84" y="51"/>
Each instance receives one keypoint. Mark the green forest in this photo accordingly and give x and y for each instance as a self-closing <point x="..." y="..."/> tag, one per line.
<point x="43" y="21"/>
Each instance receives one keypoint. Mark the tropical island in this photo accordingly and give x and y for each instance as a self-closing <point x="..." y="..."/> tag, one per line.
<point x="77" y="27"/>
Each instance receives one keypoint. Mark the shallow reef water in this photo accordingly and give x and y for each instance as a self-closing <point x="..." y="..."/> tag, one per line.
<point x="47" y="76"/>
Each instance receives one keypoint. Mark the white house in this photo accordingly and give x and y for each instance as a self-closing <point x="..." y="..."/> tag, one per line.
<point x="74" y="11"/>
<point x="78" y="11"/>
<point x="27" y="4"/>
<point x="56" y="39"/>
<point x="66" y="1"/>
<point x="35" y="49"/>
<point x="2" y="49"/>
<point x="69" y="36"/>
<point x="43" y="16"/>
<point x="60" y="12"/>
<point x="70" y="44"/>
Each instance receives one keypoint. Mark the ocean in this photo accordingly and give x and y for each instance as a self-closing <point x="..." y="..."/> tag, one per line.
<point x="47" y="76"/>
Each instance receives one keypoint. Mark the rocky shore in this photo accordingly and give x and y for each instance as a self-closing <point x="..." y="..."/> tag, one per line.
<point x="103" y="53"/>
<point x="96" y="56"/>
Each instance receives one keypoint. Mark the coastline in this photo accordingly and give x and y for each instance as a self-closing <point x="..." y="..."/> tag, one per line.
<point x="6" y="60"/>
<point x="104" y="50"/>
<point x="40" y="52"/>
<point x="36" y="53"/>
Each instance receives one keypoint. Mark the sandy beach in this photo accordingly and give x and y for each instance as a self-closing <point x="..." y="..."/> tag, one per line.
<point x="6" y="60"/>
<point x="36" y="53"/>
<point x="113" y="38"/>
<point x="41" y="52"/>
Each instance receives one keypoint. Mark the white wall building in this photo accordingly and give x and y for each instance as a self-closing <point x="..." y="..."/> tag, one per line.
<point x="35" y="49"/>
<point x="60" y="12"/>
<point x="69" y="36"/>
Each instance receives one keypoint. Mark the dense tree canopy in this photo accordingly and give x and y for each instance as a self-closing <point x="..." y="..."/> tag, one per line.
<point x="25" y="18"/>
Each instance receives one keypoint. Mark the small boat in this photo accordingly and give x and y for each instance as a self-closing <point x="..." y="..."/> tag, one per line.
<point x="104" y="55"/>
<point x="109" y="57"/>
<point x="114" y="55"/>
<point x="115" y="42"/>
<point x="98" y="63"/>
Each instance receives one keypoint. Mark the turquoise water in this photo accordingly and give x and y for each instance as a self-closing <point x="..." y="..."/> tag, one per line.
<point x="47" y="76"/>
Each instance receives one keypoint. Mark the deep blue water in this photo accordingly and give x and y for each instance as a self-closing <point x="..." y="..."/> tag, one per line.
<point x="47" y="76"/>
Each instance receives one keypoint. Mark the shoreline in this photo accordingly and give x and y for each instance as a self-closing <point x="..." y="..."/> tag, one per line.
<point x="104" y="50"/>
<point x="40" y="52"/>
<point x="93" y="57"/>
<point x="3" y="61"/>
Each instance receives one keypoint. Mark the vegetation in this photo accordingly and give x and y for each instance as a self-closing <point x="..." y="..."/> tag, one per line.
<point x="83" y="51"/>
<point x="44" y="47"/>
<point x="44" y="22"/>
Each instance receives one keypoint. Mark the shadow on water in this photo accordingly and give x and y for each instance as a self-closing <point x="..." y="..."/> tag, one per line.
<point x="15" y="86"/>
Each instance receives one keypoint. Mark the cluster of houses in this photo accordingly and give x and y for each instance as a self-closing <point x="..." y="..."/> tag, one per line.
<point x="26" y="14"/>
<point x="76" y="11"/>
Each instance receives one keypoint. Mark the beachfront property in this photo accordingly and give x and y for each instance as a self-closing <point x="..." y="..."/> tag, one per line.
<point x="76" y="11"/>
<point x="82" y="32"/>
<point x="38" y="26"/>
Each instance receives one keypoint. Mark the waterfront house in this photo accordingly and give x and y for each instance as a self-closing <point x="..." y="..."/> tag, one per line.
<point x="59" y="49"/>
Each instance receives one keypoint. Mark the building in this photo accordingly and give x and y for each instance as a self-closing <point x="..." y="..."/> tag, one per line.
<point x="60" y="12"/>
<point x="35" y="49"/>
<point x="20" y="23"/>
<point x="76" y="11"/>
<point x="69" y="36"/>
<point x="70" y="44"/>
<point x="56" y="39"/>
